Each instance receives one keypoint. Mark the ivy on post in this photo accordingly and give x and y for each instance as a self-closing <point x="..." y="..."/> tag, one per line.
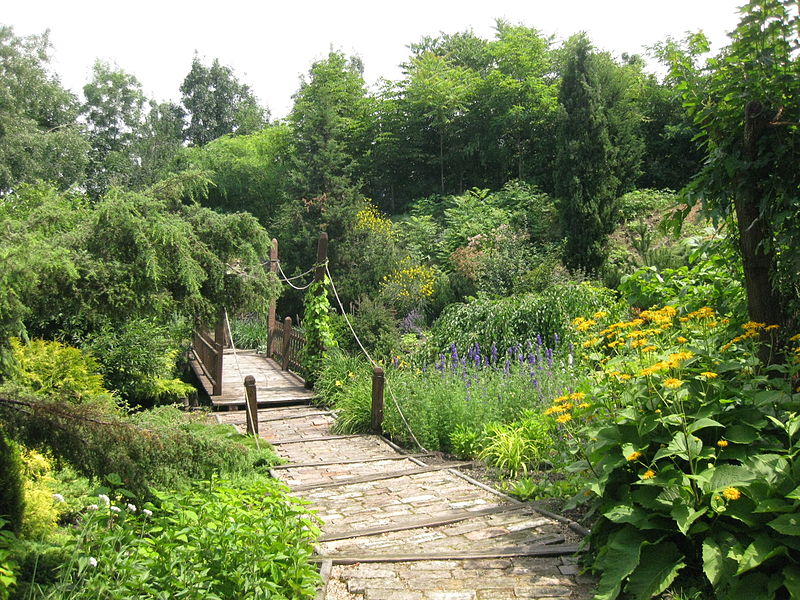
<point x="316" y="317"/>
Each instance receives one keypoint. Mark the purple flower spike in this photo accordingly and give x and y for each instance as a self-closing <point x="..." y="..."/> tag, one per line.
<point x="494" y="353"/>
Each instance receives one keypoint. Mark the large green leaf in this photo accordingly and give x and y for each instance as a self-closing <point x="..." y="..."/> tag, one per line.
<point x="791" y="580"/>
<point x="618" y="560"/>
<point x="682" y="446"/>
<point x="658" y="567"/>
<point x="717" y="565"/>
<point x="685" y="515"/>
<point x="788" y="524"/>
<point x="703" y="423"/>
<point x="760" y="550"/>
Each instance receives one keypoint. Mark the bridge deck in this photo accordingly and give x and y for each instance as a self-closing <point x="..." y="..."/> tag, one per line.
<point x="273" y="385"/>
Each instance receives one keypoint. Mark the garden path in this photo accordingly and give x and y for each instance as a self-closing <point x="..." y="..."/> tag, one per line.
<point x="414" y="527"/>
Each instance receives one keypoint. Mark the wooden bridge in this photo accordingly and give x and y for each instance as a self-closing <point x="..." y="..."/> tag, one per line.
<point x="222" y="369"/>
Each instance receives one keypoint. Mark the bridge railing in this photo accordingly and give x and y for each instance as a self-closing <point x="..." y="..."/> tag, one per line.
<point x="209" y="354"/>
<point x="285" y="345"/>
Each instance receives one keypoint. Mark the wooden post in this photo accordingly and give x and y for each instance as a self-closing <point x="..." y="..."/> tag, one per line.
<point x="252" y="405"/>
<point x="322" y="256"/>
<point x="377" y="400"/>
<point x="287" y="337"/>
<point x="221" y="330"/>
<point x="273" y="267"/>
<point x="219" y="349"/>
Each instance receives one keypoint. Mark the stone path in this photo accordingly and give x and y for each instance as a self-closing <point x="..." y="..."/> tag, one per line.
<point x="398" y="528"/>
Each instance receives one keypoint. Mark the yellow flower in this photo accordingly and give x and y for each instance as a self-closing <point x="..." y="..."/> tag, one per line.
<point x="681" y="339"/>
<point x="731" y="493"/>
<point x="771" y="327"/>
<point x="338" y="383"/>
<point x="709" y="374"/>
<point x="564" y="418"/>
<point x="649" y="349"/>
<point x="577" y="321"/>
<point x="592" y="342"/>
<point x="726" y="347"/>
<point x="722" y="443"/>
<point x="649" y="474"/>
<point x="585" y="325"/>
<point x="351" y="375"/>
<point x="625" y="377"/>
<point x="673" y="383"/>
<point x="600" y="315"/>
<point x="584" y="405"/>
<point x="577" y="396"/>
<point x="795" y="338"/>
<point x="615" y="344"/>
<point x="633" y="456"/>
<point x="638" y="343"/>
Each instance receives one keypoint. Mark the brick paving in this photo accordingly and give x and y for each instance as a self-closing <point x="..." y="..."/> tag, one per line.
<point x="409" y="536"/>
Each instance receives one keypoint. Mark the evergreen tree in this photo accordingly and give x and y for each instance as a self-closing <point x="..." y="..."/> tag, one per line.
<point x="598" y="149"/>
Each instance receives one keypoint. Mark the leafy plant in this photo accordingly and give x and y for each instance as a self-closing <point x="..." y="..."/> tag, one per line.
<point x="208" y="541"/>
<point x="689" y="446"/>
<point x="317" y="329"/>
<point x="12" y="499"/>
<point x="465" y="442"/>
<point x="8" y="565"/>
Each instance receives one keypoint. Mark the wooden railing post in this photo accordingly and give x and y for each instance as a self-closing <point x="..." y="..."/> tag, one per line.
<point x="273" y="267"/>
<point x="322" y="256"/>
<point x="287" y="338"/>
<point x="252" y="405"/>
<point x="219" y="349"/>
<point x="377" y="400"/>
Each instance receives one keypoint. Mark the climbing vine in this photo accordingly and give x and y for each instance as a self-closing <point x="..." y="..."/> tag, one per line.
<point x="317" y="329"/>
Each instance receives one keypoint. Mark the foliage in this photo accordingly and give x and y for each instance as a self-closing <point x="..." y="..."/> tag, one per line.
<point x="517" y="446"/>
<point x="744" y="101"/>
<point x="54" y="369"/>
<point x="207" y="541"/>
<point x="137" y="360"/>
<point x="641" y="203"/>
<point x="598" y="153"/>
<point x="409" y="286"/>
<point x="217" y="103"/>
<point x="447" y="399"/>
<point x="162" y="448"/>
<point x="518" y="319"/>
<point x="249" y="332"/>
<point x="545" y="486"/>
<point x="375" y="325"/>
<point x="8" y="565"/>
<point x="41" y="506"/>
<point x="12" y="498"/>
<point x="249" y="172"/>
<point x="712" y="275"/>
<point x="689" y="445"/>
<point x="316" y="329"/>
<point x="76" y="267"/>
<point x="40" y="137"/>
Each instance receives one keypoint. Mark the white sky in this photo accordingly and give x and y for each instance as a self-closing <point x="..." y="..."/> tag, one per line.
<point x="270" y="44"/>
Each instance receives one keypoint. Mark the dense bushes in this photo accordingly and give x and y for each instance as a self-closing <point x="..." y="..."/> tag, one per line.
<point x="519" y="319"/>
<point x="217" y="539"/>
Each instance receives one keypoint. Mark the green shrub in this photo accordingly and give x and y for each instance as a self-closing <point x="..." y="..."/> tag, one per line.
<point x="218" y="539"/>
<point x="465" y="442"/>
<point x="689" y="446"/>
<point x="317" y="329"/>
<point x="11" y="484"/>
<point x="161" y="448"/>
<point x="54" y="369"/>
<point x="249" y="332"/>
<point x="41" y="513"/>
<point x="8" y="564"/>
<point x="138" y="360"/>
<point x="517" y="446"/>
<point x="519" y="319"/>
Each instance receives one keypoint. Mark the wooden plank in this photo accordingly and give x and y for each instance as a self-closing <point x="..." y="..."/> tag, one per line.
<point x="377" y="477"/>
<point x="511" y="552"/>
<point x="438" y="521"/>
<point x="350" y="461"/>
<point x="303" y="416"/>
<point x="324" y="438"/>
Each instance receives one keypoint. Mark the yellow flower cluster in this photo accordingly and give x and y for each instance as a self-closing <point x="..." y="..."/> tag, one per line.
<point x="731" y="493"/>
<point x="412" y="280"/>
<point x="563" y="404"/>
<point x="369" y="219"/>
<point x="662" y="316"/>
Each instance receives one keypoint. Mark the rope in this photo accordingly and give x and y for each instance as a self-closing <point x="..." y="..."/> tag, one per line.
<point x="286" y="279"/>
<point x="374" y="364"/>
<point x="241" y="376"/>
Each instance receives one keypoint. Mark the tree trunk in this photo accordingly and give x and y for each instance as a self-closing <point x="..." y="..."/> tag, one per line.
<point x="758" y="259"/>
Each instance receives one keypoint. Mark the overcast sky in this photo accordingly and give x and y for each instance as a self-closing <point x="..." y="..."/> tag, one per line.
<point x="270" y="44"/>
